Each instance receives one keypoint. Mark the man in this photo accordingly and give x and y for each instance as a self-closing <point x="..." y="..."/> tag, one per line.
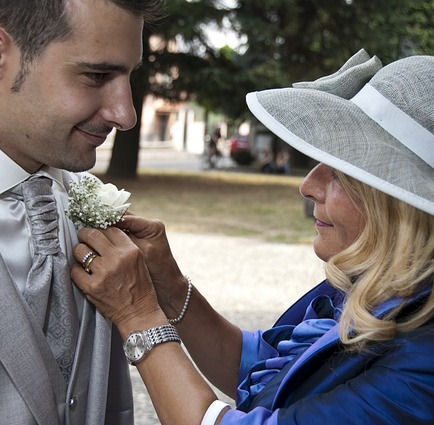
<point x="64" y="85"/>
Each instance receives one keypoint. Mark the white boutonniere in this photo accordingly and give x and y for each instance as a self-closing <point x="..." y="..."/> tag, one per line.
<point x="94" y="204"/>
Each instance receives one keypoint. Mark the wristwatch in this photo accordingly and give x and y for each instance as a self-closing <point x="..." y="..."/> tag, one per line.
<point x="140" y="343"/>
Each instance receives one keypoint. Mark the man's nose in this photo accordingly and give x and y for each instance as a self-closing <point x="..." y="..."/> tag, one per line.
<point x="119" y="108"/>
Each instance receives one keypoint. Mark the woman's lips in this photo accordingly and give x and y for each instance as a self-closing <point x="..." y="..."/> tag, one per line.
<point x="320" y="223"/>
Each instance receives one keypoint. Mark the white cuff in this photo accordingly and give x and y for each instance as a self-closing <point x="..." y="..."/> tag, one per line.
<point x="213" y="412"/>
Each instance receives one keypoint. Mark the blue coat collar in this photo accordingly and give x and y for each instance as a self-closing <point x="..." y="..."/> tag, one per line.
<point x="331" y="338"/>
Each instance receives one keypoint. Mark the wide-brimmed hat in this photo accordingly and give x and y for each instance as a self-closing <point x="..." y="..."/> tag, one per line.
<point x="373" y="123"/>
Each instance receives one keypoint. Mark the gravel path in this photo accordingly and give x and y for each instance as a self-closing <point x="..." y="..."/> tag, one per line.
<point x="249" y="281"/>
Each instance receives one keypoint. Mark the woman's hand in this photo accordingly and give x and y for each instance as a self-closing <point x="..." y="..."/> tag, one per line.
<point x="169" y="282"/>
<point x="119" y="285"/>
<point x="150" y="237"/>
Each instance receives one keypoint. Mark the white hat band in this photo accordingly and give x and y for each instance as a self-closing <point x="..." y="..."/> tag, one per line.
<point x="396" y="122"/>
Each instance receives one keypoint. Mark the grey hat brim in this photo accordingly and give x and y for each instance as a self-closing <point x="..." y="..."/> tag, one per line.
<point x="336" y="132"/>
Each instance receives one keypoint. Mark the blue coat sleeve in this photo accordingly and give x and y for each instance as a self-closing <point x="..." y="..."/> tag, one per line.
<point x="397" y="389"/>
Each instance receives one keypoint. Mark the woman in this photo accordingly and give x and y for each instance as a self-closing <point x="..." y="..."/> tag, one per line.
<point x="359" y="347"/>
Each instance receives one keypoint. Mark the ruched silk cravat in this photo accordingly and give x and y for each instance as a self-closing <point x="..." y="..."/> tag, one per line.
<point x="48" y="290"/>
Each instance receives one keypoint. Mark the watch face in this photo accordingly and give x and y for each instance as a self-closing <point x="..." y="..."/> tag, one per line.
<point x="136" y="347"/>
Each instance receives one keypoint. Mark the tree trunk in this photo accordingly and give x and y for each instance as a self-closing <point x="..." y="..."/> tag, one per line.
<point x="126" y="147"/>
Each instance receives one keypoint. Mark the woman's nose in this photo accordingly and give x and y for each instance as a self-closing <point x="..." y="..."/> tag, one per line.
<point x="313" y="185"/>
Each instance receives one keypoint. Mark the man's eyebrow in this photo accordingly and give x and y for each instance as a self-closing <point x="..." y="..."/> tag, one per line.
<point x="107" y="66"/>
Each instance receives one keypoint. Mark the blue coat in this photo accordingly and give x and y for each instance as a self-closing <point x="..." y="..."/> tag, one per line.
<point x="392" y="383"/>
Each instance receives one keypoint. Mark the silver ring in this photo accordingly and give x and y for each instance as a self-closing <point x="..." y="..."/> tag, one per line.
<point x="86" y="257"/>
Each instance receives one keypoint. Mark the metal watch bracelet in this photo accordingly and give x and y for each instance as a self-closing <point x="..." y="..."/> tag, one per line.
<point x="140" y="343"/>
<point x="164" y="333"/>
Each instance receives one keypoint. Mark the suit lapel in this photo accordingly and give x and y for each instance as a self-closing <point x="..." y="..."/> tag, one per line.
<point x="26" y="356"/>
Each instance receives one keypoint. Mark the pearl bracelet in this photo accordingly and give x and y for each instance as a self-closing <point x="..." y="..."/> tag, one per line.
<point x="185" y="306"/>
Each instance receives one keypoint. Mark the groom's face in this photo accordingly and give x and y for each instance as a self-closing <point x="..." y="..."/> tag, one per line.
<point x="76" y="91"/>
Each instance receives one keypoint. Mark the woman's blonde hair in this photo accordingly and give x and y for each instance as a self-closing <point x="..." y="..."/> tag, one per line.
<point x="391" y="258"/>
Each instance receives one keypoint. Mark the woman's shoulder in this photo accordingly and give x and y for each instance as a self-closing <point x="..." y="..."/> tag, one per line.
<point x="409" y="350"/>
<point x="421" y="338"/>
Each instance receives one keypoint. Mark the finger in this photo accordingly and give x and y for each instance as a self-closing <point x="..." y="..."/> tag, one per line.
<point x="81" y="250"/>
<point x="127" y="213"/>
<point x="141" y="227"/>
<point x="84" y="282"/>
<point x="127" y="222"/>
<point x="116" y="236"/>
<point x="95" y="239"/>
<point x="88" y="258"/>
<point x="82" y="279"/>
<point x="120" y="224"/>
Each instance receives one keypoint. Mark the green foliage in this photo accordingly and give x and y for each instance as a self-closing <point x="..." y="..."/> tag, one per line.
<point x="184" y="51"/>
<point x="420" y="29"/>
<point x="286" y="41"/>
<point x="304" y="39"/>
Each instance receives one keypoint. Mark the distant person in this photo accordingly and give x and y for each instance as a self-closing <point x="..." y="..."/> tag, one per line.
<point x="65" y="67"/>
<point x="215" y="137"/>
<point x="282" y="162"/>
<point x="212" y="153"/>
<point x="356" y="350"/>
<point x="267" y="162"/>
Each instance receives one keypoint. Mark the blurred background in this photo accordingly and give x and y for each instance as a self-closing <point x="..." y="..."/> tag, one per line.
<point x="203" y="56"/>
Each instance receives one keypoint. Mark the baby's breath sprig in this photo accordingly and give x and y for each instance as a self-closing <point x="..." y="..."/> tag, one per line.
<point x="93" y="204"/>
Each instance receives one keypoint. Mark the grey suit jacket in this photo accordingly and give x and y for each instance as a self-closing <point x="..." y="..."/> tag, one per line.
<point x="32" y="389"/>
<point x="31" y="385"/>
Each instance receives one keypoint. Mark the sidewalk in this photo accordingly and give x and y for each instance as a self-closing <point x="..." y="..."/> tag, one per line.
<point x="162" y="158"/>
<point x="249" y="281"/>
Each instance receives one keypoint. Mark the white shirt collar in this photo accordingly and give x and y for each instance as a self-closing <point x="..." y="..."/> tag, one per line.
<point x="12" y="174"/>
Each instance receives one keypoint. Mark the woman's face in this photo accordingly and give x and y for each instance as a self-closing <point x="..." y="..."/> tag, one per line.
<point x="338" y="221"/>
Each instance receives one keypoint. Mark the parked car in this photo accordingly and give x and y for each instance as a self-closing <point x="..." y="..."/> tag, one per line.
<point x="239" y="149"/>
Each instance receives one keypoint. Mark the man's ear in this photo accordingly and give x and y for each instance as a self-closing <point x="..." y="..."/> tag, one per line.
<point x="5" y="47"/>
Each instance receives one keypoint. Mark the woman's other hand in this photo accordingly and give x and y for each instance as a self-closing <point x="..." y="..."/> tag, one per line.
<point x="150" y="237"/>
<point x="169" y="282"/>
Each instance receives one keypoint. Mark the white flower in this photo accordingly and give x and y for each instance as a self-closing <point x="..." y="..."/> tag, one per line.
<point x="93" y="204"/>
<point x="108" y="194"/>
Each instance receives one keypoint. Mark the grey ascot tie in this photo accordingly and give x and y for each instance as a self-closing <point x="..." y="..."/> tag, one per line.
<point x="48" y="290"/>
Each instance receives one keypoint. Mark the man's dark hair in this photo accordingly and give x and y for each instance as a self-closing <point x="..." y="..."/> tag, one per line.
<point x="34" y="24"/>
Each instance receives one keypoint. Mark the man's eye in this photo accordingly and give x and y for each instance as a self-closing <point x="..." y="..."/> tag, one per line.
<point x="97" y="77"/>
